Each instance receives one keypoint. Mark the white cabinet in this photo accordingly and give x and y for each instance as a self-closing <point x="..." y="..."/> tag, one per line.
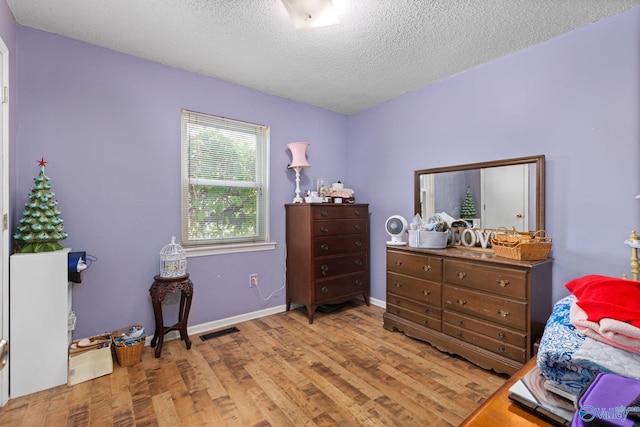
<point x="38" y="321"/>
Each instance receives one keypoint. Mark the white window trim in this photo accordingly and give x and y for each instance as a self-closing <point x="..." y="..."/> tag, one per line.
<point x="228" y="248"/>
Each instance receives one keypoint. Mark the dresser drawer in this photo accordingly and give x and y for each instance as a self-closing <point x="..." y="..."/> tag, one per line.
<point x="518" y="339"/>
<point x="500" y="310"/>
<point x="339" y="228"/>
<point x="353" y="284"/>
<point x="335" y="245"/>
<point x="498" y="347"/>
<point x="339" y="212"/>
<point x="341" y="264"/>
<point x="423" y="309"/>
<point x="422" y="315"/>
<point x="424" y="267"/>
<point x="413" y="288"/>
<point x="503" y="281"/>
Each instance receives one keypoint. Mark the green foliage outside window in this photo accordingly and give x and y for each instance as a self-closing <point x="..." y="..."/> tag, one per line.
<point x="221" y="212"/>
<point x="223" y="193"/>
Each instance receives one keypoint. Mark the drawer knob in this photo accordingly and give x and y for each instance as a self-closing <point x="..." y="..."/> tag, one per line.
<point x="459" y="334"/>
<point x="502" y="282"/>
<point x="324" y="229"/>
<point x="426" y="292"/>
<point x="460" y="302"/>
<point x="461" y="274"/>
<point x="397" y="301"/>
<point x="426" y="268"/>
<point x="324" y="247"/>
<point x="425" y="322"/>
<point x="324" y="213"/>
<point x="357" y="227"/>
<point x="398" y="263"/>
<point x="359" y="262"/>
<point x="358" y="243"/>
<point x="357" y="213"/>
<point x="501" y="349"/>
<point x="460" y="322"/>
<point x="426" y="310"/>
<point x="397" y="311"/>
<point x="324" y="269"/>
<point x="358" y="282"/>
<point x="325" y="290"/>
<point x="501" y="335"/>
<point x="502" y="313"/>
<point x="398" y="285"/>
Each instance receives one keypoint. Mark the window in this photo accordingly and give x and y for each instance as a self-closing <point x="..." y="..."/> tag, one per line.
<point x="225" y="191"/>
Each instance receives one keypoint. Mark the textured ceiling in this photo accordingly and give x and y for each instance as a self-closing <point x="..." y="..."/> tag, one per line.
<point x="380" y="50"/>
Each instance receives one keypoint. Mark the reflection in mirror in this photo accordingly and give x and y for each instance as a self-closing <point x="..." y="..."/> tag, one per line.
<point x="504" y="193"/>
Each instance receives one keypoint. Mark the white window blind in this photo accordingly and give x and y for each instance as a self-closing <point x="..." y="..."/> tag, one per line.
<point x="224" y="180"/>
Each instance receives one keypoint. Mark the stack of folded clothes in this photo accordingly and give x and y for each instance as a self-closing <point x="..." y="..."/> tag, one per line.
<point x="594" y="329"/>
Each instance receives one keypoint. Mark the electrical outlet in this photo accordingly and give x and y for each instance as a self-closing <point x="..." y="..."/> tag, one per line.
<point x="253" y="280"/>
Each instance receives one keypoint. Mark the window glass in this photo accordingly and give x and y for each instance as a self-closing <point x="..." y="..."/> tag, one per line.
<point x="224" y="180"/>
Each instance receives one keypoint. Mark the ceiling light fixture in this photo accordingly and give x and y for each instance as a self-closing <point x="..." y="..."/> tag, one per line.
<point x="311" y="13"/>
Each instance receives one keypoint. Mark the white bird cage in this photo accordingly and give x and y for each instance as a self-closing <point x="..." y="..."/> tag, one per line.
<point x="173" y="260"/>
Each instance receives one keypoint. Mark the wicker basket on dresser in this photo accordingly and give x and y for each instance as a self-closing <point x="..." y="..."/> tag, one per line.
<point x="487" y="309"/>
<point x="327" y="254"/>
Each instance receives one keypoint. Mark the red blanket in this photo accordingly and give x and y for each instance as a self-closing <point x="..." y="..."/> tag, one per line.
<point x="607" y="297"/>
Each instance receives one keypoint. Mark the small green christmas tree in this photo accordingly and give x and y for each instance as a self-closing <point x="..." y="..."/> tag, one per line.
<point x="41" y="226"/>
<point x="468" y="207"/>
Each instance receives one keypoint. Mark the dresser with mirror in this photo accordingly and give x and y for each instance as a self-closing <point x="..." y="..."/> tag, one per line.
<point x="466" y="300"/>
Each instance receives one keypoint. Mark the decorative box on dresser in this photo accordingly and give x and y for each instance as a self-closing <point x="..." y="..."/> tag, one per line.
<point x="487" y="309"/>
<point x="327" y="254"/>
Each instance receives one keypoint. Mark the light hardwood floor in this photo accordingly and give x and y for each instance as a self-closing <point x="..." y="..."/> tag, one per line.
<point x="343" y="370"/>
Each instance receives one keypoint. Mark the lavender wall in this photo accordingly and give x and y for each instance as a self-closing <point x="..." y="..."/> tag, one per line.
<point x="109" y="125"/>
<point x="451" y="190"/>
<point x="575" y="99"/>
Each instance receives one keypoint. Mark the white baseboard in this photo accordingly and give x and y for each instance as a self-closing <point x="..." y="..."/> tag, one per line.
<point x="223" y="323"/>
<point x="378" y="302"/>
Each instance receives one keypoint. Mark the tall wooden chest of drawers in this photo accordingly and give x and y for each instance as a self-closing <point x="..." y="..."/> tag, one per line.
<point x="487" y="309"/>
<point x="327" y="254"/>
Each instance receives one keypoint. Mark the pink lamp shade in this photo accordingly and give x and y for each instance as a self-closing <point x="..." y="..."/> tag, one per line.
<point x="298" y="154"/>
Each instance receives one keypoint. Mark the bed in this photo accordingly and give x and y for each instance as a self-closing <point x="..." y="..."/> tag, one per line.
<point x="569" y="359"/>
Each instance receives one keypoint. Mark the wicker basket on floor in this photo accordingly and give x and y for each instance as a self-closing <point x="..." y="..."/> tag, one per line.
<point x="128" y="349"/>
<point x="523" y="247"/>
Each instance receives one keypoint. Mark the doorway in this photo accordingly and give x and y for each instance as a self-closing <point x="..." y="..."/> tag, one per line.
<point x="4" y="221"/>
<point x="505" y="197"/>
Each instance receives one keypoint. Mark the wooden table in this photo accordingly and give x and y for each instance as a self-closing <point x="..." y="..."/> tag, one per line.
<point x="160" y="287"/>
<point x="498" y="410"/>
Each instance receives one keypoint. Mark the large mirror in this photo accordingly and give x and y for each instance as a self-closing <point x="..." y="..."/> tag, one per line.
<point x="502" y="193"/>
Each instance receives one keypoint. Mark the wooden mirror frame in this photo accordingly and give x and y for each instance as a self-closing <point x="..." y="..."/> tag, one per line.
<point x="538" y="161"/>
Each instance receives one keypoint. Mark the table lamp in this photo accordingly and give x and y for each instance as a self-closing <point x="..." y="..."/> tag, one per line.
<point x="298" y="161"/>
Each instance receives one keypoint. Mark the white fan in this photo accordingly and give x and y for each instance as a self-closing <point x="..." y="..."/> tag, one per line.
<point x="396" y="226"/>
